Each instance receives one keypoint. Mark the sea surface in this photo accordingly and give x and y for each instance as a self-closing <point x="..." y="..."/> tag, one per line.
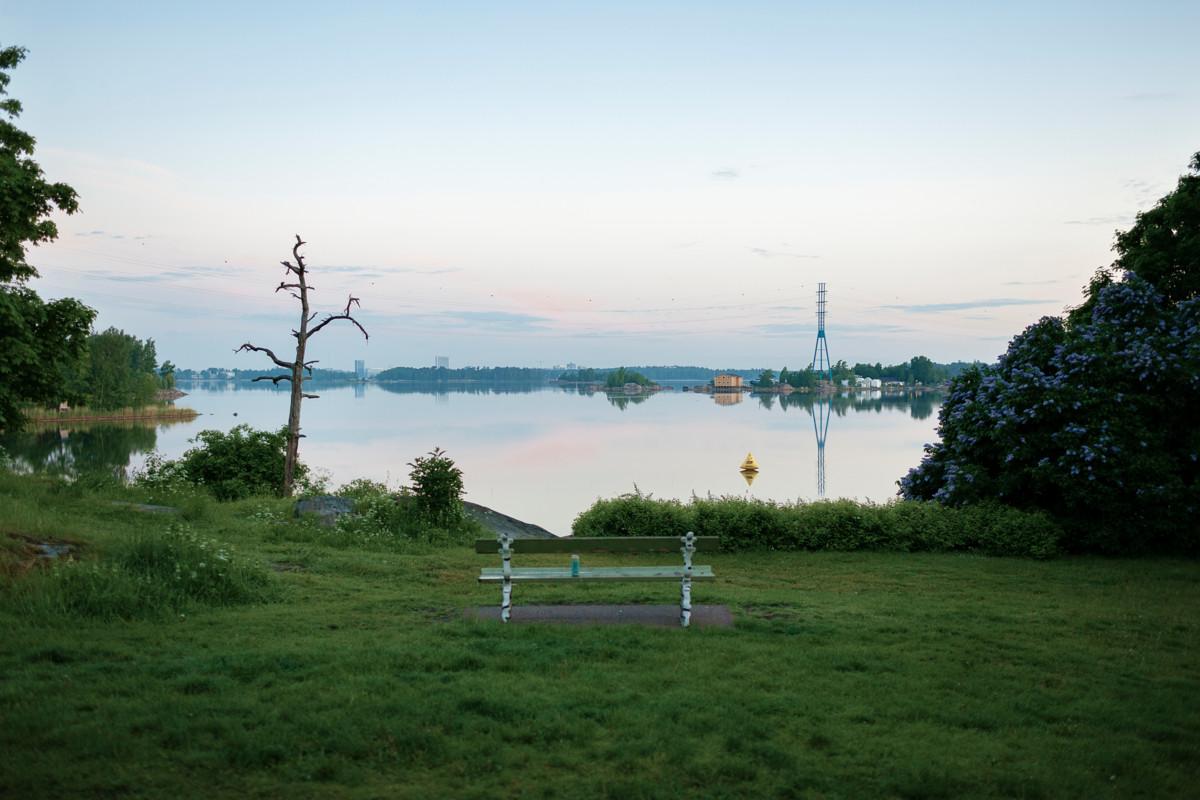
<point x="541" y="453"/>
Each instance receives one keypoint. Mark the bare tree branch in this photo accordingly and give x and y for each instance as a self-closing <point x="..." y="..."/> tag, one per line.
<point x="310" y="396"/>
<point x="278" y="361"/>
<point x="296" y="252"/>
<point x="344" y="315"/>
<point x="275" y="380"/>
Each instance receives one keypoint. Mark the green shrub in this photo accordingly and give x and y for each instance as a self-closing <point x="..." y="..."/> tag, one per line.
<point x="634" y="515"/>
<point x="746" y="524"/>
<point x="437" y="485"/>
<point x="231" y="466"/>
<point x="384" y="519"/>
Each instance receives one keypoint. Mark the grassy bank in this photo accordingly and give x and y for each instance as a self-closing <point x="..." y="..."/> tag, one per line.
<point x="156" y="412"/>
<point x="350" y="673"/>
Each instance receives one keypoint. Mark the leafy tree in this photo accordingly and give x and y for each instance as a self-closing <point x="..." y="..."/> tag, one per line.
<point x="621" y="376"/>
<point x="1163" y="247"/>
<point x="766" y="378"/>
<point x="38" y="341"/>
<point x="241" y="463"/>
<point x="805" y="379"/>
<point x="120" y="370"/>
<point x="922" y="370"/>
<point x="842" y="372"/>
<point x="1093" y="418"/>
<point x="437" y="484"/>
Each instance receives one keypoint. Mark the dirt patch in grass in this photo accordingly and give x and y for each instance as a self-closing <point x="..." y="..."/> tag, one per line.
<point x="22" y="552"/>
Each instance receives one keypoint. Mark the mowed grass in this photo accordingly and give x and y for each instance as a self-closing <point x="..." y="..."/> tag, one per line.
<point x="846" y="676"/>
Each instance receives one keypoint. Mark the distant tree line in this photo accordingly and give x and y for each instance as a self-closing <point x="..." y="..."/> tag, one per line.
<point x="917" y="370"/>
<point x="473" y="374"/>
<point x="221" y="373"/>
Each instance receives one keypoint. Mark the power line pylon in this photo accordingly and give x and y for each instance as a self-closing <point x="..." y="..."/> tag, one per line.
<point x="821" y="363"/>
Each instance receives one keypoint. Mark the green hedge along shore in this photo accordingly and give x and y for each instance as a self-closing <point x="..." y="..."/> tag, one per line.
<point x="844" y="525"/>
<point x="338" y="663"/>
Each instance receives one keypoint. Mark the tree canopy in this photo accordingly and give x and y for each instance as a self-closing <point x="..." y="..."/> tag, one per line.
<point x="28" y="198"/>
<point x="39" y="341"/>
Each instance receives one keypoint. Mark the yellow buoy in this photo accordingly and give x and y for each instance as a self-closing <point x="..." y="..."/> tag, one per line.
<point x="749" y="465"/>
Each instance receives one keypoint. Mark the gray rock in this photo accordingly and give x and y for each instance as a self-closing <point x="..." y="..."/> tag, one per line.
<point x="502" y="523"/>
<point x="327" y="508"/>
<point x="146" y="508"/>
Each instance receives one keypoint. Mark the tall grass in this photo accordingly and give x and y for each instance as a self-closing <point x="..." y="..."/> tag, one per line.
<point x="148" y="574"/>
<point x="158" y="411"/>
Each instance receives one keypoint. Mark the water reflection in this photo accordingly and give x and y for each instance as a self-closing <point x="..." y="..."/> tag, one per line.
<point x="919" y="405"/>
<point x="360" y="388"/>
<point x="417" y="387"/>
<point x="623" y="401"/>
<point x="544" y="453"/>
<point x="72" y="452"/>
<point x="820" y="417"/>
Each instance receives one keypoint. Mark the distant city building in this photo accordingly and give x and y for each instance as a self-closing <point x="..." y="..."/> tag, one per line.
<point x="727" y="383"/>
<point x="360" y="369"/>
<point x="572" y="365"/>
<point x="441" y="362"/>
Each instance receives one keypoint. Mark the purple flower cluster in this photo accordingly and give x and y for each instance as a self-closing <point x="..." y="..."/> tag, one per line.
<point x="1096" y="421"/>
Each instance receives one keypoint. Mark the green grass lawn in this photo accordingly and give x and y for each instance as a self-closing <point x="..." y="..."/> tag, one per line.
<point x="846" y="675"/>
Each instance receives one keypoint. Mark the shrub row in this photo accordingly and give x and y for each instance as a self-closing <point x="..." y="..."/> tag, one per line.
<point x="745" y="524"/>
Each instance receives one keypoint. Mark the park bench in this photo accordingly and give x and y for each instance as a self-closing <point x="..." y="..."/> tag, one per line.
<point x="507" y="574"/>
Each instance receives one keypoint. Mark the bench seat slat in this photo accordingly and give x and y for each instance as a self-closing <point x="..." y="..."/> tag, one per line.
<point x="666" y="573"/>
<point x="599" y="544"/>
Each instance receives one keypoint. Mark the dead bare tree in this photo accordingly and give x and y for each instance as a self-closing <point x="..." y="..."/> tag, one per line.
<point x="299" y="289"/>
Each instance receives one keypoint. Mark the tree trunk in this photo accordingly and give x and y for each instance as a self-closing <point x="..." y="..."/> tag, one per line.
<point x="293" y="437"/>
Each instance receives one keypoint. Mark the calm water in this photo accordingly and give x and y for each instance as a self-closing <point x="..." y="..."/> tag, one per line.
<point x="543" y="454"/>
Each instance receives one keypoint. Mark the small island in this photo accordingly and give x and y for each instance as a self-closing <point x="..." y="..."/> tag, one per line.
<point x="615" y="381"/>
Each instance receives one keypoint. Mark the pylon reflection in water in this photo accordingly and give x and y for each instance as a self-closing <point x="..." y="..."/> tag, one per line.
<point x="821" y="411"/>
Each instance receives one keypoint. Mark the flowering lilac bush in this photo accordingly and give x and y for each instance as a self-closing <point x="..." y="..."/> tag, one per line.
<point x="1095" y="420"/>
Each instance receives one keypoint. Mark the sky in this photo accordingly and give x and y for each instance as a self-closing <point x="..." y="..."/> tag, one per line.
<point x="519" y="183"/>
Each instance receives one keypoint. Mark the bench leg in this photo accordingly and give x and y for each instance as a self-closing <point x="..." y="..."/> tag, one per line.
<point x="685" y="601"/>
<point x="685" y="586"/>
<point x="506" y="561"/>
